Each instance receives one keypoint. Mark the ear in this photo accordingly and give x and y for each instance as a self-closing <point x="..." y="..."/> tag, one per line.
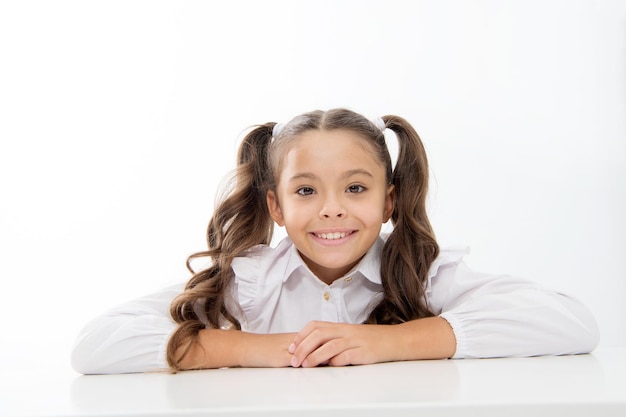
<point x="274" y="208"/>
<point x="390" y="203"/>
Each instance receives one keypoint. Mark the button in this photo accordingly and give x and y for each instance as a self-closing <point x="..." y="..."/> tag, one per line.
<point x="326" y="296"/>
<point x="348" y="279"/>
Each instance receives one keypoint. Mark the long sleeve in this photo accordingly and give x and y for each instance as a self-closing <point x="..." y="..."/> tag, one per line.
<point x="129" y="338"/>
<point x="504" y="316"/>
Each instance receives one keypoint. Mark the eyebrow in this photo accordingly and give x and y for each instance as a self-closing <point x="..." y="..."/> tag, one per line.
<point x="347" y="174"/>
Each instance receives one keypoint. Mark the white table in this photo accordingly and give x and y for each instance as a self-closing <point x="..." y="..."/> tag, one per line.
<point x="585" y="385"/>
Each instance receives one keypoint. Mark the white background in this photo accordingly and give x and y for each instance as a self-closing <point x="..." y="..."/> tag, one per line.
<point x="119" y="118"/>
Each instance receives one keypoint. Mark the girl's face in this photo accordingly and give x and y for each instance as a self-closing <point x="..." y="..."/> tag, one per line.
<point x="332" y="197"/>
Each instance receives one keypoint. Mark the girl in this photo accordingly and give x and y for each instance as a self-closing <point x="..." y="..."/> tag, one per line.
<point x="334" y="292"/>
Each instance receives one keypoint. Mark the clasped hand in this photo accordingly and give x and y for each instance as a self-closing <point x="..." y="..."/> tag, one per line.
<point x="324" y="343"/>
<point x="340" y="344"/>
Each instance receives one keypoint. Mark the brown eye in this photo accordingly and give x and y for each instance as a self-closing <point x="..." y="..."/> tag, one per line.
<point x="304" y="191"/>
<point x="356" y="188"/>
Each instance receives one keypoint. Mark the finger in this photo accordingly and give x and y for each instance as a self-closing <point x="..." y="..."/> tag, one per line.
<point x="313" y="340"/>
<point x="345" y="358"/>
<point x="306" y="330"/>
<point x="326" y="353"/>
<point x="303" y="335"/>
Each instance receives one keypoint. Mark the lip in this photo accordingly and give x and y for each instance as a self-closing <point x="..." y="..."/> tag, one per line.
<point x="333" y="237"/>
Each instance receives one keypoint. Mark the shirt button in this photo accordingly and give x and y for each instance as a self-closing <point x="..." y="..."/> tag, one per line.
<point x="348" y="279"/>
<point x="326" y="296"/>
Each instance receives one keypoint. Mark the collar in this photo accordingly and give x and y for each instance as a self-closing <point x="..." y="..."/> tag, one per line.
<point x="368" y="266"/>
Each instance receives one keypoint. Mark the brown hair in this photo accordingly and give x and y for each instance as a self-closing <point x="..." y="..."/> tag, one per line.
<point x="241" y="220"/>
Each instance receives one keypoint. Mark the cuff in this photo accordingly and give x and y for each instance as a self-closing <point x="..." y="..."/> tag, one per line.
<point x="457" y="328"/>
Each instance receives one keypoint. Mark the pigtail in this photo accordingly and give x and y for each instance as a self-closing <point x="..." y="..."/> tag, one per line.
<point x="240" y="221"/>
<point x="411" y="248"/>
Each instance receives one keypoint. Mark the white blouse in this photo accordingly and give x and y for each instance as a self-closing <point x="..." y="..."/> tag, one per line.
<point x="275" y="292"/>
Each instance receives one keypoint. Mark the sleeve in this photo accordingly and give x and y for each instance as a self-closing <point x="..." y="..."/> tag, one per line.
<point x="246" y="270"/>
<point x="257" y="285"/>
<point x="245" y="304"/>
<point x="504" y="316"/>
<point x="129" y="338"/>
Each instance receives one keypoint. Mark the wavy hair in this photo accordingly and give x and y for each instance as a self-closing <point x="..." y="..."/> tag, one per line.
<point x="241" y="220"/>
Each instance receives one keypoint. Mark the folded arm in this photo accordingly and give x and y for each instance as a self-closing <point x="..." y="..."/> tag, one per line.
<point x="478" y="316"/>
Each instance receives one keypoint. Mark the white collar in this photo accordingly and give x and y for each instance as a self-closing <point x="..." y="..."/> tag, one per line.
<point x="368" y="266"/>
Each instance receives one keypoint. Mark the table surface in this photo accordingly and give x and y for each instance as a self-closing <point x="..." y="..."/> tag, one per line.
<point x="593" y="384"/>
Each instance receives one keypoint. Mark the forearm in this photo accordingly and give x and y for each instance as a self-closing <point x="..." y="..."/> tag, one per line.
<point x="428" y="338"/>
<point x="232" y="348"/>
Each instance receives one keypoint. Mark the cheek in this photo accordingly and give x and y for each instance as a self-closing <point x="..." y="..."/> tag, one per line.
<point x="295" y="213"/>
<point x="372" y="212"/>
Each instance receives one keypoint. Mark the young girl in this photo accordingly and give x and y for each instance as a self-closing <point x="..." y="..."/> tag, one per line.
<point x="335" y="291"/>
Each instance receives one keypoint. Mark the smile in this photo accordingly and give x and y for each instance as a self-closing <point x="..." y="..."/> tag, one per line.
<point x="333" y="235"/>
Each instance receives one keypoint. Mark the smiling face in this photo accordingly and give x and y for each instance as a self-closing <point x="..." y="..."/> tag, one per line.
<point x="332" y="197"/>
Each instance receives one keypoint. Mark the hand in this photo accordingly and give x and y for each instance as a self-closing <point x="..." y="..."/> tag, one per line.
<point x="340" y="344"/>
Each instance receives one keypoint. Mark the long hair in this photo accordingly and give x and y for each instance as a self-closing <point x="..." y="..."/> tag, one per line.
<point x="241" y="220"/>
<point x="411" y="247"/>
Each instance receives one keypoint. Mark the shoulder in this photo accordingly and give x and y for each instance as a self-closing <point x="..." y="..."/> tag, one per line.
<point x="259" y="274"/>
<point x="450" y="256"/>
<point x="445" y="265"/>
<point x="259" y="259"/>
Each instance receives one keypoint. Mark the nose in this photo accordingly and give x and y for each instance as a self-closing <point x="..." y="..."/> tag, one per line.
<point x="332" y="208"/>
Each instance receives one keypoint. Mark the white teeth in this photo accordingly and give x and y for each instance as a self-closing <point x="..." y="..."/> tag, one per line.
<point x="332" y="236"/>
